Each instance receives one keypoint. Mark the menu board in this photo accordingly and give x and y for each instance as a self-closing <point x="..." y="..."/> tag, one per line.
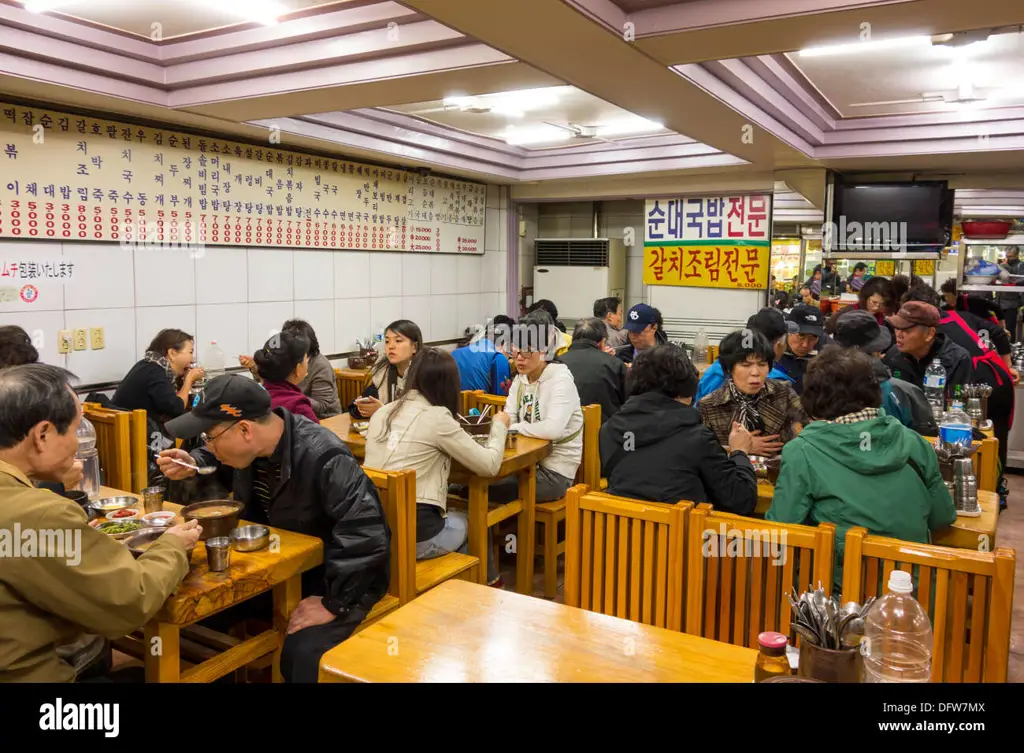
<point x="708" y="242"/>
<point x="69" y="177"/>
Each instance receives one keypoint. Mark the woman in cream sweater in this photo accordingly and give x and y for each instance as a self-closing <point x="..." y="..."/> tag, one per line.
<point x="420" y="431"/>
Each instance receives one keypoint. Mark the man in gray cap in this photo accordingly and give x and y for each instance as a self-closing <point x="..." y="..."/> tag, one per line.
<point x="903" y="400"/>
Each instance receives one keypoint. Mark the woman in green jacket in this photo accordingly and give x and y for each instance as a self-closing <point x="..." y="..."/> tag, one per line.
<point x="853" y="465"/>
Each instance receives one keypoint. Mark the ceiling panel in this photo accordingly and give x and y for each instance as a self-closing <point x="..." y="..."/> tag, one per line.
<point x="545" y="108"/>
<point x="176" y="17"/>
<point x="919" y="77"/>
<point x="634" y="6"/>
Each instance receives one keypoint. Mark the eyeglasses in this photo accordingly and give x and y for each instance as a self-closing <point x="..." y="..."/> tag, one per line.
<point x="207" y="438"/>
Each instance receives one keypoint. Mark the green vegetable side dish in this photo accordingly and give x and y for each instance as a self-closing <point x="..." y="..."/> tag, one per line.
<point x="115" y="528"/>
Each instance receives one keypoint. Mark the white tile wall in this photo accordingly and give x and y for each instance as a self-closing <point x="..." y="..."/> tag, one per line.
<point x="149" y="320"/>
<point x="222" y="276"/>
<point x="320" y="315"/>
<point x="265" y="320"/>
<point x="236" y="296"/>
<point x="270" y="275"/>
<point x="314" y="276"/>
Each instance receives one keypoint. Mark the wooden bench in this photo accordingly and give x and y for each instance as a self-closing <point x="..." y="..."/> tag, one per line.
<point x="730" y="566"/>
<point x="351" y="383"/>
<point x="968" y="596"/>
<point x="625" y="558"/>
<point x="132" y="469"/>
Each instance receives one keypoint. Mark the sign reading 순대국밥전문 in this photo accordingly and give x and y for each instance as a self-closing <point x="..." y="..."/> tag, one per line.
<point x="708" y="242"/>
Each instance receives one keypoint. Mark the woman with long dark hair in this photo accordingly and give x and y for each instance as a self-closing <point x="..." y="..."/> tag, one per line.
<point x="402" y="340"/>
<point x="283" y="363"/>
<point x="420" y="431"/>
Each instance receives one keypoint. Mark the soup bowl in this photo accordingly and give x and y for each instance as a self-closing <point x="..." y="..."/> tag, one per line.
<point x="218" y="517"/>
<point x="141" y="541"/>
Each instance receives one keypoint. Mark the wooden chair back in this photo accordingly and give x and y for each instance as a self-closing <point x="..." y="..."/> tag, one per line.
<point x="740" y="569"/>
<point x="624" y="557"/>
<point x="968" y="596"/>
<point x="113" y="442"/>
<point x="138" y="434"/>
<point x="351" y="383"/>
<point x="589" y="472"/>
<point x="397" y="492"/>
<point x="479" y="399"/>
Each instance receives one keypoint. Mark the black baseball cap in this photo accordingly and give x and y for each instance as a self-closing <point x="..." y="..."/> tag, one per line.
<point x="231" y="397"/>
<point x="772" y="324"/>
<point x="860" y="329"/>
<point x="808" y="319"/>
<point x="639" y="317"/>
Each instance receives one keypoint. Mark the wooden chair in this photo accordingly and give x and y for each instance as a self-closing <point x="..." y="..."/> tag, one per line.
<point x="968" y="596"/>
<point x="736" y="587"/>
<point x="625" y="558"/>
<point x="479" y="399"/>
<point x="550" y="514"/>
<point x="138" y="436"/>
<point x="351" y="383"/>
<point x="421" y="575"/>
<point x="113" y="441"/>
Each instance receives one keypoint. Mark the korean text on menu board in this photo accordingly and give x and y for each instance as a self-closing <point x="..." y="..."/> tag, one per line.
<point x="710" y="242"/>
<point x="79" y="178"/>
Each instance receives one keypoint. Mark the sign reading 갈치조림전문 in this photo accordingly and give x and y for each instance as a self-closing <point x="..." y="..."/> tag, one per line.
<point x="708" y="242"/>
<point x="77" y="178"/>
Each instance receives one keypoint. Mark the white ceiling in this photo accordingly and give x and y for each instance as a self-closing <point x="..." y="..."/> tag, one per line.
<point x="540" y="110"/>
<point x="858" y="82"/>
<point x="176" y="17"/>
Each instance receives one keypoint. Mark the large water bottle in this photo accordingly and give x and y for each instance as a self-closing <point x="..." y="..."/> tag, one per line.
<point x="700" y="347"/>
<point x="955" y="427"/>
<point x="897" y="644"/>
<point x="935" y="387"/>
<point x="89" y="454"/>
<point x="213" y="361"/>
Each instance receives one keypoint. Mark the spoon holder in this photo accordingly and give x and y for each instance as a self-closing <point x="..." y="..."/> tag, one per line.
<point x="830" y="665"/>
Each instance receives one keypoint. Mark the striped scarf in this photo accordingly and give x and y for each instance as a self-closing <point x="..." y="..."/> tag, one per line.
<point x="162" y="362"/>
<point x="747" y="414"/>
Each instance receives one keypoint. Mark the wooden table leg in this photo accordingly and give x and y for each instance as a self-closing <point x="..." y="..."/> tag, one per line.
<point x="526" y="528"/>
<point x="479" y="489"/>
<point x="163" y="652"/>
<point x="287" y="596"/>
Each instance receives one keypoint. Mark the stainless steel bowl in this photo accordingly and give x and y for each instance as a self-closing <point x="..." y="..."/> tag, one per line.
<point x="250" y="538"/>
<point x="113" y="504"/>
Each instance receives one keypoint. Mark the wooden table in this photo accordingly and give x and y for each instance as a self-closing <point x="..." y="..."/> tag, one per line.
<point x="464" y="632"/>
<point x="966" y="533"/>
<point x="203" y="593"/>
<point x="520" y="462"/>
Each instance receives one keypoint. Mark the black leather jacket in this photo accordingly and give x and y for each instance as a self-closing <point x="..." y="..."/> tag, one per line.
<point x="323" y="492"/>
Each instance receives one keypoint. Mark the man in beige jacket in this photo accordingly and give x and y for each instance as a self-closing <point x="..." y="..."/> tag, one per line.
<point x="58" y="576"/>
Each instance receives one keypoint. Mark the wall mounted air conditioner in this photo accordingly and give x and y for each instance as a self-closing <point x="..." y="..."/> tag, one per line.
<point x="575" y="272"/>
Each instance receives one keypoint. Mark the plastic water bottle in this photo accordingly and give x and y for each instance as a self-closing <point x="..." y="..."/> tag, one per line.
<point x="213" y="361"/>
<point x="700" y="347"/>
<point x="897" y="644"/>
<point x="935" y="386"/>
<point x="956" y="427"/>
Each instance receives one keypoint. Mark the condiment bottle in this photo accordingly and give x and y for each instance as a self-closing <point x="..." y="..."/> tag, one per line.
<point x="771" y="658"/>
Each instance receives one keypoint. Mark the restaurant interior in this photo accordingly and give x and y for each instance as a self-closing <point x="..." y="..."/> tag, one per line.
<point x="263" y="176"/>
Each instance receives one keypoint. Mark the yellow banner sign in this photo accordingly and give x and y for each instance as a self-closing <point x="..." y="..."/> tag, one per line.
<point x="924" y="267"/>
<point x="743" y="267"/>
<point x="886" y="268"/>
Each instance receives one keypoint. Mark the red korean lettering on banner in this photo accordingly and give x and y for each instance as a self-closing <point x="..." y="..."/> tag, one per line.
<point x="658" y="263"/>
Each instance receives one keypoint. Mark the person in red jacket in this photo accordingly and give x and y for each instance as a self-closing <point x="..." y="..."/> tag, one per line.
<point x="282" y="363"/>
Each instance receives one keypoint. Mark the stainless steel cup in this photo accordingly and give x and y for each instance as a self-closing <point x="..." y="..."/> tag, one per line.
<point x="153" y="499"/>
<point x="962" y="468"/>
<point x="218" y="553"/>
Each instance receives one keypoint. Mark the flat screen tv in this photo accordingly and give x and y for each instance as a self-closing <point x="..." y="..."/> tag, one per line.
<point x="890" y="217"/>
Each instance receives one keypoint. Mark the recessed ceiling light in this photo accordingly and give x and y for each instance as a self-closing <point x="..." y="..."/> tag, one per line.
<point x="899" y="43"/>
<point x="628" y="126"/>
<point x="535" y="134"/>
<point x="42" y="6"/>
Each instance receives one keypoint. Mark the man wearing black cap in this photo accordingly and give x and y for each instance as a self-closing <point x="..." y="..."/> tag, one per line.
<point x="296" y="475"/>
<point x="804" y="344"/>
<point x="644" y="325"/>
<point x="900" y="399"/>
<point x="774" y="326"/>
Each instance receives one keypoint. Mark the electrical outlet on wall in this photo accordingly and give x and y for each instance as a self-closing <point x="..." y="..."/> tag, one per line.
<point x="97" y="338"/>
<point x="64" y="341"/>
<point x="81" y="343"/>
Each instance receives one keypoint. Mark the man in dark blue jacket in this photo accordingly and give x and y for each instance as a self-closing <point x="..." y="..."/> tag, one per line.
<point x="482" y="364"/>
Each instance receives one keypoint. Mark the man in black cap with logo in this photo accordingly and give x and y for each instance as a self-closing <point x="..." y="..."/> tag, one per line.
<point x="296" y="475"/>
<point x="902" y="400"/>
<point x="646" y="329"/>
<point x="803" y="345"/>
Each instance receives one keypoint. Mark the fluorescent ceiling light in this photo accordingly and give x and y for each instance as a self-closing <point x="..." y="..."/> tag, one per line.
<point x="535" y="135"/>
<point x="900" y="43"/>
<point x="628" y="126"/>
<point x="41" y="6"/>
<point x="265" y="12"/>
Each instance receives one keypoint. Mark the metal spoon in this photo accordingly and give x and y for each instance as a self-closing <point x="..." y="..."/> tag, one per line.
<point x="205" y="470"/>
